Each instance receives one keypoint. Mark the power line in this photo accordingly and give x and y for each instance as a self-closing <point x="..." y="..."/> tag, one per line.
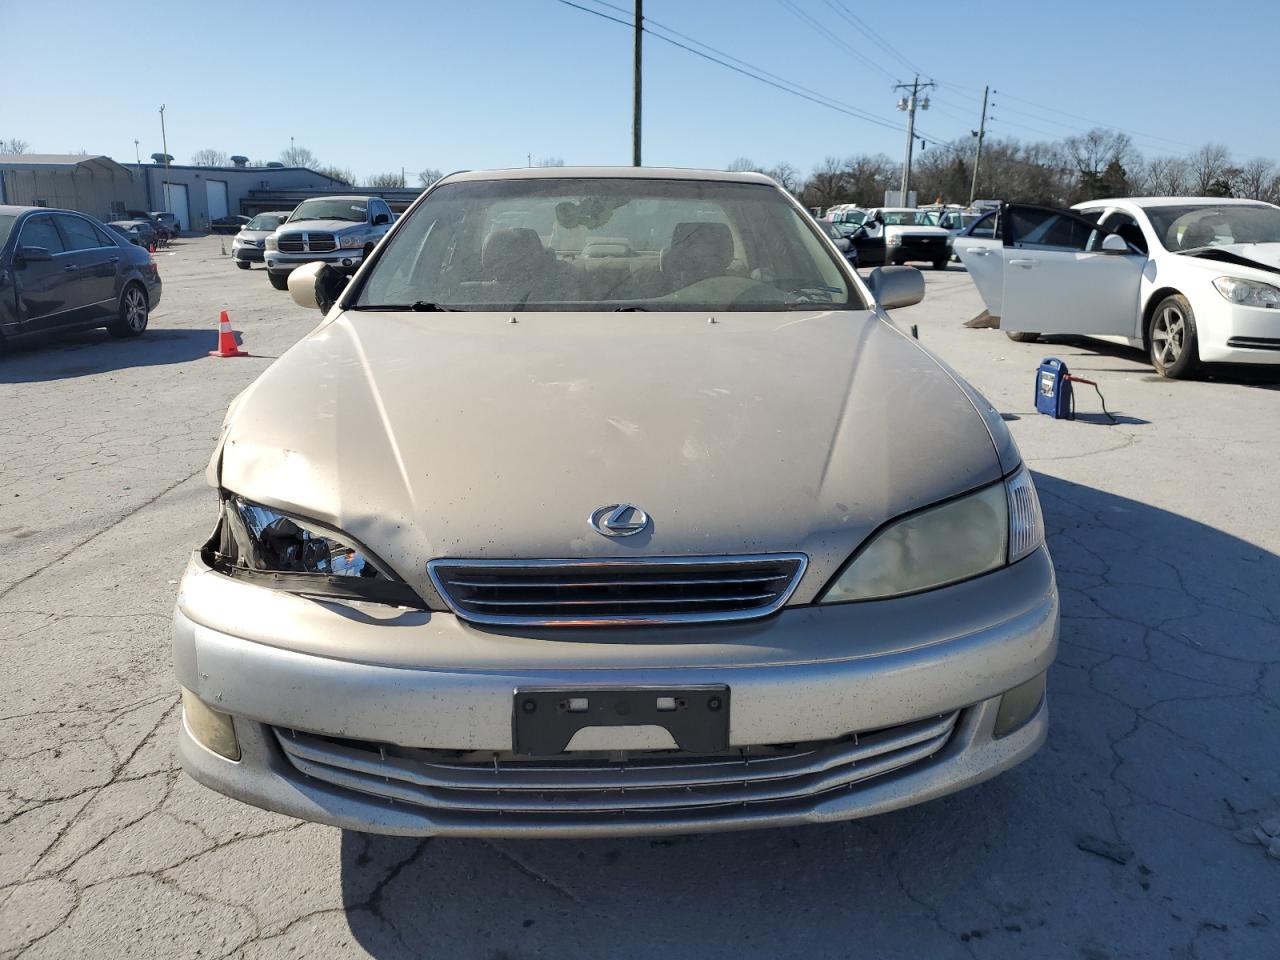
<point x="747" y="70"/>
<point x="828" y="35"/>
<point x="866" y="30"/>
<point x="1097" y="123"/>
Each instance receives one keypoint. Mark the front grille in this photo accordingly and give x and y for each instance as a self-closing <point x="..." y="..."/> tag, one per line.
<point x="617" y="592"/>
<point x="1255" y="343"/>
<point x="597" y="786"/>
<point x="290" y="243"/>
<point x="321" y="242"/>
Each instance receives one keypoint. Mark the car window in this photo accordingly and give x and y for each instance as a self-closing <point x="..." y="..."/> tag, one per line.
<point x="326" y="209"/>
<point x="1040" y="228"/>
<point x="1193" y="226"/>
<point x="105" y="239"/>
<point x="986" y="227"/>
<point x="1127" y="227"/>
<point x="40" y="232"/>
<point x="606" y="244"/>
<point x="79" y="233"/>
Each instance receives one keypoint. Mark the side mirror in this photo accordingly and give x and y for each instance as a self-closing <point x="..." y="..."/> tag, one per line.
<point x="380" y="219"/>
<point x="33" y="254"/>
<point x="316" y="285"/>
<point x="896" y="286"/>
<point x="1114" y="243"/>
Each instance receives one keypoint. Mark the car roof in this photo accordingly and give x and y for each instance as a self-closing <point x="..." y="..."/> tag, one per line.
<point x="1165" y="202"/>
<point x="608" y="173"/>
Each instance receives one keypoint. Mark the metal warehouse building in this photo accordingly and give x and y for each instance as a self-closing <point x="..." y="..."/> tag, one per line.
<point x="96" y="185"/>
<point x="195" y="195"/>
<point x="198" y="195"/>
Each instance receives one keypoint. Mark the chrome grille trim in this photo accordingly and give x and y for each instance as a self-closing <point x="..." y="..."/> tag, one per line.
<point x="617" y="591"/>
<point x="647" y="782"/>
<point x="321" y="242"/>
<point x="291" y="243"/>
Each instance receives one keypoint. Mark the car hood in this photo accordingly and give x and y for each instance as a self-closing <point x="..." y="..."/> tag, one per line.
<point x="334" y="226"/>
<point x="258" y="235"/>
<point x="914" y="231"/>
<point x="1255" y="258"/>
<point x="470" y="435"/>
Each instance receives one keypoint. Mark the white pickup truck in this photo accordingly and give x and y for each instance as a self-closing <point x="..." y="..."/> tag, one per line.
<point x="340" y="231"/>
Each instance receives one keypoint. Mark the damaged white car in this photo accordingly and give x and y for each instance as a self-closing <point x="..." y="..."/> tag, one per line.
<point x="1191" y="280"/>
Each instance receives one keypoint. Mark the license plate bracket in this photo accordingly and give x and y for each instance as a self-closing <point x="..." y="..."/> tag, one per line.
<point x="544" y="720"/>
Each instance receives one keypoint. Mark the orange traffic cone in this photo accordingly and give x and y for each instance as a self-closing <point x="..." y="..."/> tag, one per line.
<point x="151" y="247"/>
<point x="226" y="340"/>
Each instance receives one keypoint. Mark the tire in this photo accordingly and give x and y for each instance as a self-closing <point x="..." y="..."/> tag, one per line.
<point x="1022" y="336"/>
<point x="243" y="264"/>
<point x="278" y="280"/>
<point x="939" y="264"/>
<point x="1172" y="343"/>
<point x="134" y="313"/>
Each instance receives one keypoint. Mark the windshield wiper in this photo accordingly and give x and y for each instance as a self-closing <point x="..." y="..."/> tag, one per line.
<point x="418" y="306"/>
<point x="630" y="309"/>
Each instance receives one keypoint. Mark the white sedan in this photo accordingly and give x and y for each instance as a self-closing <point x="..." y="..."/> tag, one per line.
<point x="1190" y="279"/>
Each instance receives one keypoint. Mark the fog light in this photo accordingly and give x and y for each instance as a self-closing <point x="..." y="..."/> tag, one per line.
<point x="1018" y="705"/>
<point x="212" y="730"/>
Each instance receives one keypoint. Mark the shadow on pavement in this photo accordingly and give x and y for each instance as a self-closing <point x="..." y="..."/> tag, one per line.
<point x="89" y="352"/>
<point x="1116" y="840"/>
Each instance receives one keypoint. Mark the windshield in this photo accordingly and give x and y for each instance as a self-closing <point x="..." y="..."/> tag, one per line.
<point x="849" y="216"/>
<point x="265" y="221"/>
<point x="607" y="244"/>
<point x="337" y="209"/>
<point x="1187" y="227"/>
<point x="908" y="218"/>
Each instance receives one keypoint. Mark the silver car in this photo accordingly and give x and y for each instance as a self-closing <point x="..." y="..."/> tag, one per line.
<point x="249" y="245"/>
<point x="610" y="501"/>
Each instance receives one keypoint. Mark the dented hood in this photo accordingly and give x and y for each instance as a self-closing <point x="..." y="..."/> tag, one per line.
<point x="470" y="435"/>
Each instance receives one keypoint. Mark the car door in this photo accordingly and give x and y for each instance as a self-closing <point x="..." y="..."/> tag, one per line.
<point x="980" y="248"/>
<point x="1057" y="281"/>
<point x="96" y="263"/>
<point x="44" y="288"/>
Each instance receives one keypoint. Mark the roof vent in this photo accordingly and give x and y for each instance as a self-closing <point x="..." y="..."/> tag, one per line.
<point x="240" y="161"/>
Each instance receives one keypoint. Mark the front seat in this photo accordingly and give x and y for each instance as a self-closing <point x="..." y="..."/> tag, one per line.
<point x="697" y="251"/>
<point x="1198" y="234"/>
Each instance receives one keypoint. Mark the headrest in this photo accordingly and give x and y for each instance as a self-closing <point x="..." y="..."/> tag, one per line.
<point x="512" y="249"/>
<point x="704" y="248"/>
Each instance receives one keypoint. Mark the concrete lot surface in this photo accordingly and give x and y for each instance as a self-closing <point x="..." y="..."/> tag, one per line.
<point x="1132" y="834"/>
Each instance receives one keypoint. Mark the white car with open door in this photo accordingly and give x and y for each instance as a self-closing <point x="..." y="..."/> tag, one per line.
<point x="1190" y="279"/>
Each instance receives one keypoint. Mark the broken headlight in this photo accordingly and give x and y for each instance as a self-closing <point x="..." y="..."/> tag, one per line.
<point x="301" y="556"/>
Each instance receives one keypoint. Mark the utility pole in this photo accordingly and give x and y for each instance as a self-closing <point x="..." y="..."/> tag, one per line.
<point x="909" y="104"/>
<point x="635" y="103"/>
<point x="977" y="153"/>
<point x="164" y="145"/>
<point x="293" y="156"/>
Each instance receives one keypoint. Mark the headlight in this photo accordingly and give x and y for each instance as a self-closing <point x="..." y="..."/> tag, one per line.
<point x="271" y="243"/>
<point x="351" y="241"/>
<point x="268" y="548"/>
<point x="1248" y="293"/>
<point x="953" y="541"/>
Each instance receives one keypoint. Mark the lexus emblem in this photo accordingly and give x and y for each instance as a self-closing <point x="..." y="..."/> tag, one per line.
<point x="618" y="520"/>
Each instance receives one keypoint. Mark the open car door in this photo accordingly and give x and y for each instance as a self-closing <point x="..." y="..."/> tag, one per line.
<point x="981" y="249"/>
<point x="1058" y="279"/>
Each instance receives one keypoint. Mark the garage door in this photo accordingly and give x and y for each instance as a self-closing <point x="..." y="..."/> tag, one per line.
<point x="216" y="190"/>
<point x="175" y="202"/>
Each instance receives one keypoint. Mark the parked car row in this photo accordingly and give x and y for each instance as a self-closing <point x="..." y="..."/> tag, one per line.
<point x="64" y="270"/>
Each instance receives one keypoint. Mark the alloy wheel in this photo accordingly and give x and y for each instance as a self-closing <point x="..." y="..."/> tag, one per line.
<point x="135" y="310"/>
<point x="1168" y="335"/>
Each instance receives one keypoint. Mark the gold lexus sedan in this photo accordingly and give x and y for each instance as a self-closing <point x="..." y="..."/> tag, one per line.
<point x="609" y="501"/>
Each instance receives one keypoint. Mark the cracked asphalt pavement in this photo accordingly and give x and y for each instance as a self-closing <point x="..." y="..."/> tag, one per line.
<point x="1144" y="828"/>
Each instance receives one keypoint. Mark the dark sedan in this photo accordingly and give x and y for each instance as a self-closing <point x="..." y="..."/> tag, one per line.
<point x="232" y="223"/>
<point x="139" y="232"/>
<point x="62" y="270"/>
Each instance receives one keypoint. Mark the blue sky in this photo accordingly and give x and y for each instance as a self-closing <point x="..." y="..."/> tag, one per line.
<point x="483" y="83"/>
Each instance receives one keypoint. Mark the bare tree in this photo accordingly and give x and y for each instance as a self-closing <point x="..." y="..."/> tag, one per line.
<point x="1255" y="179"/>
<point x="395" y="179"/>
<point x="549" y="162"/>
<point x="429" y="176"/>
<point x="299" y="157"/>
<point x="13" y="145"/>
<point x="341" y="174"/>
<point x="209" y="157"/>
<point x="744" y="165"/>
<point x="787" y="175"/>
<point x="1164" y="177"/>
<point x="1210" y="168"/>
